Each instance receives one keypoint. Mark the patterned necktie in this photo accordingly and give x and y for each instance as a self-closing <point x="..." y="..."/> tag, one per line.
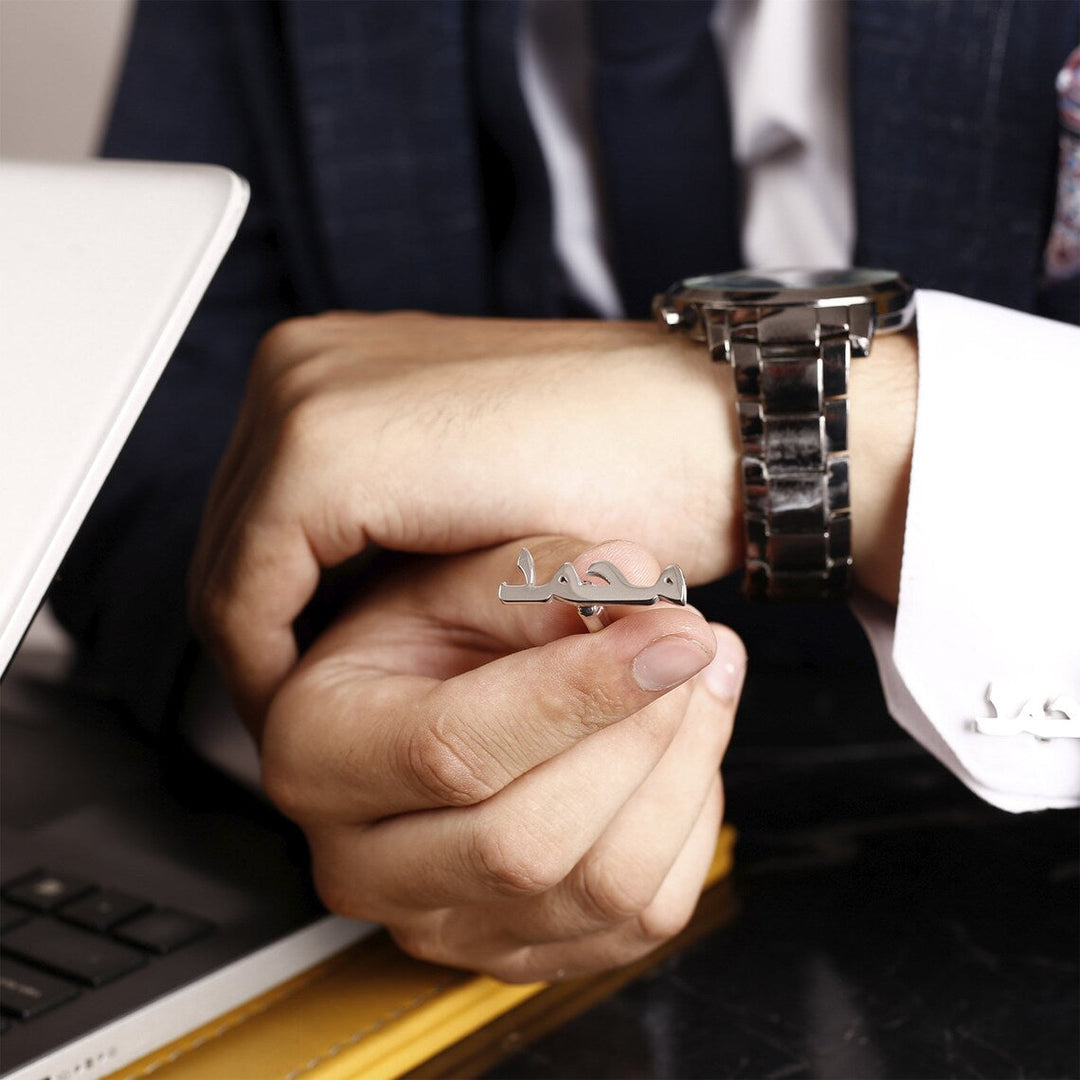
<point x="668" y="183"/>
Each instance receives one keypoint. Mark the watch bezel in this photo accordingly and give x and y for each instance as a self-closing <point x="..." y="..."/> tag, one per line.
<point x="742" y="293"/>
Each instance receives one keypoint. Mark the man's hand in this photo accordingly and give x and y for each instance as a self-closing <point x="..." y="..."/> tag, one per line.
<point x="436" y="434"/>
<point x="504" y="791"/>
<point x="433" y="434"/>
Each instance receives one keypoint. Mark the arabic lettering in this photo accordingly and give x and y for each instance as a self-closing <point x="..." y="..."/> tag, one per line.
<point x="1044" y="718"/>
<point x="612" y="588"/>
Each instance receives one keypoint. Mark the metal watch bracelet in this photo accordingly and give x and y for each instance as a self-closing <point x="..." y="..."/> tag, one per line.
<point x="791" y="381"/>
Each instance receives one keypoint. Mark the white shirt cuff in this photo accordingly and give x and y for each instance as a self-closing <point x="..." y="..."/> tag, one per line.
<point x="990" y="583"/>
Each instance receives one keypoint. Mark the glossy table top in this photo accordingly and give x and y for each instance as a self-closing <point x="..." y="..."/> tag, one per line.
<point x="886" y="923"/>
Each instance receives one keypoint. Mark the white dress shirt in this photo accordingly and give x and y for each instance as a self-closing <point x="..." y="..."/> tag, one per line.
<point x="990" y="583"/>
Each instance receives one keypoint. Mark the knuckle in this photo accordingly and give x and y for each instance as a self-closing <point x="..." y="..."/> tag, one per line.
<point x="596" y="699"/>
<point x="282" y="343"/>
<point x="284" y="788"/>
<point x="283" y="792"/>
<point x="285" y="773"/>
<point x="512" y="863"/>
<point x="332" y="891"/>
<point x="445" y="769"/>
<point x="299" y="408"/>
<point x="339" y="893"/>
<point x="600" y="704"/>
<point x="664" y="918"/>
<point x="410" y="939"/>
<point x="294" y="398"/>
<point x="339" y="861"/>
<point x="519" y="966"/>
<point x="420" y="938"/>
<point x="589" y="700"/>
<point x="612" y="895"/>
<point x="223" y="623"/>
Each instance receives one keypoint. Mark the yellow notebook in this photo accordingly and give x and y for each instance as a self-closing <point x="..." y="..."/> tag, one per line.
<point x="375" y="1013"/>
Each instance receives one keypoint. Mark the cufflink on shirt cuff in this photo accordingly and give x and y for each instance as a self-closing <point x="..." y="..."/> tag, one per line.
<point x="1043" y="717"/>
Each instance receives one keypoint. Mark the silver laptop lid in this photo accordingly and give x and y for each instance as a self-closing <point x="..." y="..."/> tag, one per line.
<point x="102" y="264"/>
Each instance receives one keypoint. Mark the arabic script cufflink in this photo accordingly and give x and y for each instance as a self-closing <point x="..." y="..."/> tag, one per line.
<point x="1045" y="718"/>
<point x="589" y="597"/>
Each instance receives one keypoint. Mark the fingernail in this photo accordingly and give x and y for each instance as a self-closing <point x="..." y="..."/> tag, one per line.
<point x="724" y="675"/>
<point x="668" y="662"/>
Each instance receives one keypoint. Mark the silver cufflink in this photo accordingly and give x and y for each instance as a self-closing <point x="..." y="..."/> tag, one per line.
<point x="589" y="597"/>
<point x="1044" y="718"/>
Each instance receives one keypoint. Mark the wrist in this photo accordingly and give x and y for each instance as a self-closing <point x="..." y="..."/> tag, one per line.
<point x="881" y="425"/>
<point x="710" y="480"/>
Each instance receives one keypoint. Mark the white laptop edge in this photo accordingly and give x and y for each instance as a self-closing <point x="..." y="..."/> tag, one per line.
<point x="176" y="1014"/>
<point x="233" y="204"/>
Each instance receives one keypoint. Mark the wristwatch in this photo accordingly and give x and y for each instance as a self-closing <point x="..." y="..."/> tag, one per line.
<point x="790" y="336"/>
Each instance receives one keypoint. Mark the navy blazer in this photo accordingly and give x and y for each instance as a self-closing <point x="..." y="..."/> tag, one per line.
<point x="355" y="123"/>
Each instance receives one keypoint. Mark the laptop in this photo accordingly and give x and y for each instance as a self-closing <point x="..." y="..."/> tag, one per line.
<point x="137" y="904"/>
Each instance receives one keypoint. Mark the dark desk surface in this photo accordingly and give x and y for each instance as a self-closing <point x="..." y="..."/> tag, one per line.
<point x="886" y="922"/>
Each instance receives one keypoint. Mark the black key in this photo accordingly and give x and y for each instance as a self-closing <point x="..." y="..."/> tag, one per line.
<point x="45" y="891"/>
<point x="25" y="992"/>
<point x="102" y="910"/>
<point x="11" y="916"/>
<point x="163" y="930"/>
<point x="84" y="957"/>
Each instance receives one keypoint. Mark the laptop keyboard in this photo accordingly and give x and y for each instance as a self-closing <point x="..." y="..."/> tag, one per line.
<point x="62" y="935"/>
